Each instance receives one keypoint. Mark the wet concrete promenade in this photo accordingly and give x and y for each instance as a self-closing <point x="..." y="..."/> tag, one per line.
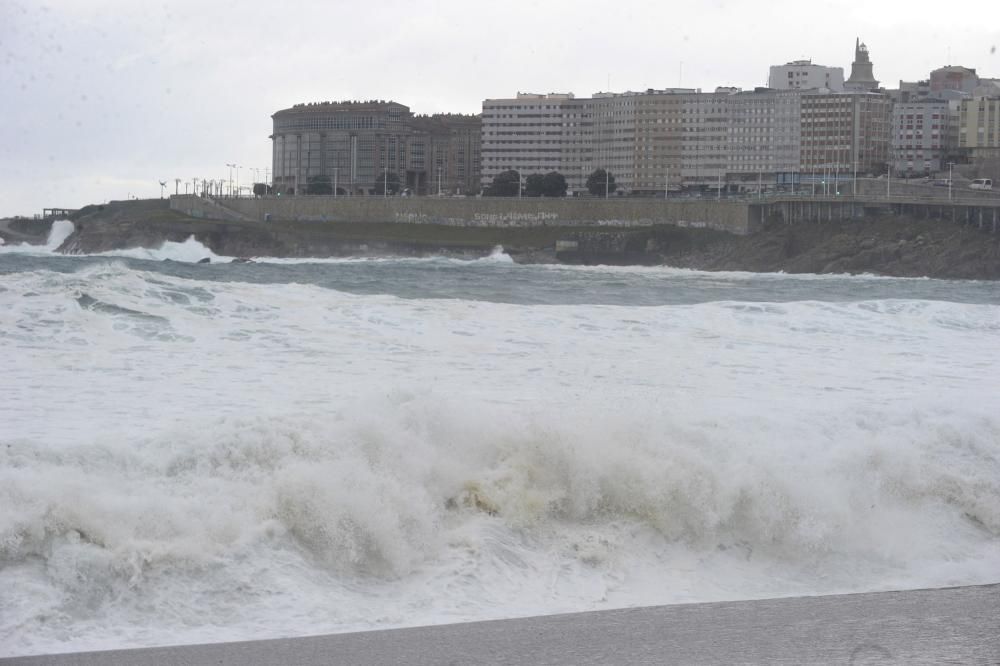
<point x="954" y="625"/>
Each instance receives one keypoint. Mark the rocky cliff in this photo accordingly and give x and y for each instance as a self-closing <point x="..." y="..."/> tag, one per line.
<point x="888" y="245"/>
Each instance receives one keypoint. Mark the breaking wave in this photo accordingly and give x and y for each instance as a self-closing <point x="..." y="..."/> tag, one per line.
<point x="185" y="460"/>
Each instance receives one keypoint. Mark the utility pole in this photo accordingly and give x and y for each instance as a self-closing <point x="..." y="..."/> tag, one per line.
<point x="177" y="185"/>
<point x="231" y="167"/>
<point x="950" y="179"/>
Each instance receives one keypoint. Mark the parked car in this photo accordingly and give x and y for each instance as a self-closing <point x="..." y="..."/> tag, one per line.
<point x="981" y="184"/>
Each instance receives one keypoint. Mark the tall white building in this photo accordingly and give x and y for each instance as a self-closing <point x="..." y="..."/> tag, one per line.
<point x="765" y="133"/>
<point x="803" y="75"/>
<point x="534" y="133"/>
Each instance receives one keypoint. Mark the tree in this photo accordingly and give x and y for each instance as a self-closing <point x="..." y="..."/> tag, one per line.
<point x="260" y="189"/>
<point x="601" y="182"/>
<point x="319" y="185"/>
<point x="387" y="181"/>
<point x="534" y="185"/>
<point x="505" y="184"/>
<point x="554" y="184"/>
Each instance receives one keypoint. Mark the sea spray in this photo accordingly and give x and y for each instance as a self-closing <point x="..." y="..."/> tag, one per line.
<point x="189" y="455"/>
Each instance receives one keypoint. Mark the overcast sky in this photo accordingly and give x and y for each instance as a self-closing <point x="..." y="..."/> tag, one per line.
<point x="100" y="99"/>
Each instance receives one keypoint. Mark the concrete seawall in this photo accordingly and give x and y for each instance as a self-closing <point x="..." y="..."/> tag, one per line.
<point x="732" y="217"/>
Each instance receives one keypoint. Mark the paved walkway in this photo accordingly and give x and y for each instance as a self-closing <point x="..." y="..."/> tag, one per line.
<point x="954" y="625"/>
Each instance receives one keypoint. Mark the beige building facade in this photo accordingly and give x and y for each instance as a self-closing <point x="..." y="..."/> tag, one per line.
<point x="979" y="126"/>
<point x="844" y="133"/>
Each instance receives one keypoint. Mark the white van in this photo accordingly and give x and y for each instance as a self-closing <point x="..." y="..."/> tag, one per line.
<point x="981" y="184"/>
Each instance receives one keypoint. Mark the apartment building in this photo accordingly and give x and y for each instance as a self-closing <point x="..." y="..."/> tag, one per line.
<point x="659" y="140"/>
<point x="979" y="127"/>
<point x="845" y="132"/>
<point x="613" y="136"/>
<point x="804" y="75"/>
<point x="922" y="135"/>
<point x="356" y="143"/>
<point x="452" y="152"/>
<point x="765" y="135"/>
<point x="536" y="133"/>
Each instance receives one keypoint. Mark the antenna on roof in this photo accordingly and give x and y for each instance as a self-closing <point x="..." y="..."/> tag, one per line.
<point x="163" y="184"/>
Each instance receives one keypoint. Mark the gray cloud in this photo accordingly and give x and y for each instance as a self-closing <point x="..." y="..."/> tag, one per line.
<point x="103" y="98"/>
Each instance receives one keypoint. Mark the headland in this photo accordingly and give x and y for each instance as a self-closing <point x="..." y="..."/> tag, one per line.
<point x="937" y="239"/>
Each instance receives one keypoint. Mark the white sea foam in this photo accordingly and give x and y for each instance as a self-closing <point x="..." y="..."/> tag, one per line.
<point x="191" y="461"/>
<point x="190" y="251"/>
<point x="59" y="232"/>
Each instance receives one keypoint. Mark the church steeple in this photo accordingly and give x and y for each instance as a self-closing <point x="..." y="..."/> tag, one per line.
<point x="862" y="76"/>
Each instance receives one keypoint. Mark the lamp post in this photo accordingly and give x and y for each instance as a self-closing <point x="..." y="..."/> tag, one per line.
<point x="950" y="179"/>
<point x="238" y="180"/>
<point x="607" y="182"/>
<point x="518" y="182"/>
<point x="231" y="167"/>
<point x="439" y="181"/>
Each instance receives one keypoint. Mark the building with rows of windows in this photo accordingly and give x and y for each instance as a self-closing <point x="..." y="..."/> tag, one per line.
<point x="674" y="139"/>
<point x="356" y="144"/>
<point x="809" y="126"/>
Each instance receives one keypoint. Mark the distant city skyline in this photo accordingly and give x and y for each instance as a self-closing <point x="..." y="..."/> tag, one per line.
<point x="106" y="100"/>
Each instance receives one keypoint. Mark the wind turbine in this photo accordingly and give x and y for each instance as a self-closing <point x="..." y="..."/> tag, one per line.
<point x="163" y="184"/>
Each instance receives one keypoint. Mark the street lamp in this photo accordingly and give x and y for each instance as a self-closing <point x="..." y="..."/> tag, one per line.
<point x="231" y="167"/>
<point x="950" y="171"/>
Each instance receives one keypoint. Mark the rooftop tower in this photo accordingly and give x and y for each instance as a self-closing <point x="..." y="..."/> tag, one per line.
<point x="862" y="78"/>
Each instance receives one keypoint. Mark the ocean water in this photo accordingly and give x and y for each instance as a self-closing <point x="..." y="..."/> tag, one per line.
<point x="206" y="452"/>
